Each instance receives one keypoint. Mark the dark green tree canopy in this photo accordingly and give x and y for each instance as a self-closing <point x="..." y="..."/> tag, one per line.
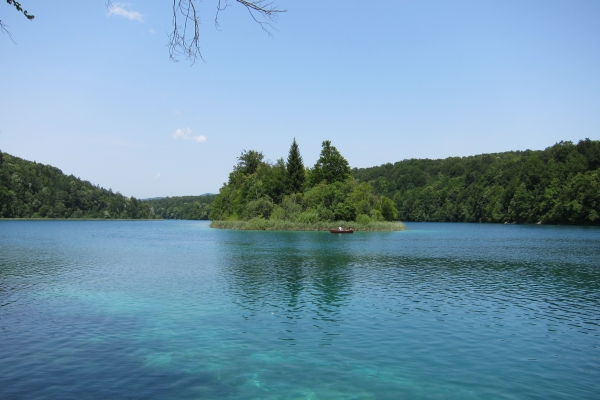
<point x="295" y="170"/>
<point x="330" y="167"/>
<point x="261" y="190"/>
<point x="558" y="185"/>
<point x="33" y="190"/>
<point x="249" y="161"/>
<point x="182" y="207"/>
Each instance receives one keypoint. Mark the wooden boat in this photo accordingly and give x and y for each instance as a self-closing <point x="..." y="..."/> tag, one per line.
<point x="342" y="231"/>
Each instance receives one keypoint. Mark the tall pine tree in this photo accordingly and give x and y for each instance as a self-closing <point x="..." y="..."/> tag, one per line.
<point x="295" y="170"/>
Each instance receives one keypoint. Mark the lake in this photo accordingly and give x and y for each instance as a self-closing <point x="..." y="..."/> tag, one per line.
<point x="174" y="309"/>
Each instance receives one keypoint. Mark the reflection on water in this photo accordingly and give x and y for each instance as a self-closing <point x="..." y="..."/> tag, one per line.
<point x="174" y="309"/>
<point x="296" y="278"/>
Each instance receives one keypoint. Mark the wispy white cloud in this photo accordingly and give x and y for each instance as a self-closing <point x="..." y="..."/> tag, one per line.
<point x="158" y="174"/>
<point x="119" y="9"/>
<point x="186" y="134"/>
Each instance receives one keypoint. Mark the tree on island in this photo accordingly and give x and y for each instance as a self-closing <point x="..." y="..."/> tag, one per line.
<point x="295" y="170"/>
<point x="258" y="190"/>
<point x="249" y="161"/>
<point x="330" y="167"/>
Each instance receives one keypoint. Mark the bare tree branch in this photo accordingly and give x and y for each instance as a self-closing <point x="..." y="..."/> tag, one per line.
<point x="184" y="40"/>
<point x="3" y="28"/>
<point x="180" y="42"/>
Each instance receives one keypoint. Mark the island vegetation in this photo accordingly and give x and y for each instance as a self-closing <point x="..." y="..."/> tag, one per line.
<point x="182" y="207"/>
<point x="284" y="195"/>
<point x="558" y="185"/>
<point x="33" y="190"/>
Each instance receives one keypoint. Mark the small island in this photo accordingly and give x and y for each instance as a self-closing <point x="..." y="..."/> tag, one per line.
<point x="286" y="196"/>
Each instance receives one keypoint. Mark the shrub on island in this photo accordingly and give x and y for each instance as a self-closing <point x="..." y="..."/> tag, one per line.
<point x="260" y="195"/>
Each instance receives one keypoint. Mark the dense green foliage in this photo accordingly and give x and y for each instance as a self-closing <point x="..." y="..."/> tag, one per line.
<point x="183" y="207"/>
<point x="32" y="190"/>
<point x="559" y="185"/>
<point x="258" y="189"/>
<point x="330" y="167"/>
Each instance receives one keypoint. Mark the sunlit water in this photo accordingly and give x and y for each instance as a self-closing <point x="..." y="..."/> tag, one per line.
<point x="178" y="310"/>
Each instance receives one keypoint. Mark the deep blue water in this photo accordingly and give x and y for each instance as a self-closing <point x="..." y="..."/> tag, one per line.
<point x="174" y="309"/>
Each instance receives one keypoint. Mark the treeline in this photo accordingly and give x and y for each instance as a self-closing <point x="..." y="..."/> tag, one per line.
<point x="558" y="185"/>
<point x="287" y="191"/>
<point x="32" y="190"/>
<point x="182" y="207"/>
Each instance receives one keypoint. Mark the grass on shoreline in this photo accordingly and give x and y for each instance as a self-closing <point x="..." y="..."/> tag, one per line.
<point x="260" y="224"/>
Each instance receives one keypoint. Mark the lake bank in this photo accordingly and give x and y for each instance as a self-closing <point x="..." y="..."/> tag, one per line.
<point x="259" y="224"/>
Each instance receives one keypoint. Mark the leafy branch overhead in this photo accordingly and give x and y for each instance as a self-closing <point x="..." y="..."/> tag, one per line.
<point x="20" y="9"/>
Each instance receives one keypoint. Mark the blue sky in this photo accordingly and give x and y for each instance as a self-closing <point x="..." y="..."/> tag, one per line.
<point x="95" y="94"/>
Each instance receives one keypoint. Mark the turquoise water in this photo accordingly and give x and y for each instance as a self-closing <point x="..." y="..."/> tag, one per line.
<point x="174" y="309"/>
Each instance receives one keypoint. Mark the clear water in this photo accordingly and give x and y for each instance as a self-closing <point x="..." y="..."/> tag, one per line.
<point x="178" y="310"/>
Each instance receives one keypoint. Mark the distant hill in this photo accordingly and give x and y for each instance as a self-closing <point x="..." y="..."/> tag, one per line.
<point x="182" y="207"/>
<point x="32" y="190"/>
<point x="558" y="185"/>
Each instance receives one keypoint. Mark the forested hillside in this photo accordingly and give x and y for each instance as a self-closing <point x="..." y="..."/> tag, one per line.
<point x="32" y="190"/>
<point x="558" y="185"/>
<point x="182" y="207"/>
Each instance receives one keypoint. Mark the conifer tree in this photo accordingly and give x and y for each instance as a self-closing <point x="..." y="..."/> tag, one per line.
<point x="330" y="167"/>
<point x="295" y="170"/>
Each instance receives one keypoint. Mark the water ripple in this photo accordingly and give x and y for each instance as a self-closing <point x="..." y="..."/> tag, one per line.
<point x="174" y="309"/>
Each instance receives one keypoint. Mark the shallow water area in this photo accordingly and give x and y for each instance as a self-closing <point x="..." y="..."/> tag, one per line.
<point x="174" y="309"/>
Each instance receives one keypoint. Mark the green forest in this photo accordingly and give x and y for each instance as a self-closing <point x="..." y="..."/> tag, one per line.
<point x="182" y="207"/>
<point x="558" y="185"/>
<point x="32" y="190"/>
<point x="287" y="191"/>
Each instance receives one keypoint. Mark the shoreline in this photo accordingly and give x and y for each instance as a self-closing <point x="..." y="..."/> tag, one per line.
<point x="259" y="224"/>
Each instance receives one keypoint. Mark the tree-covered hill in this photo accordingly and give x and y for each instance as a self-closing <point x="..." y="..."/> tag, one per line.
<point x="558" y="185"/>
<point x="182" y="207"/>
<point x="32" y="190"/>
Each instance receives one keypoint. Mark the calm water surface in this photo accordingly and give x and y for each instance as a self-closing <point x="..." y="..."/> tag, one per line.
<point x="173" y="309"/>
